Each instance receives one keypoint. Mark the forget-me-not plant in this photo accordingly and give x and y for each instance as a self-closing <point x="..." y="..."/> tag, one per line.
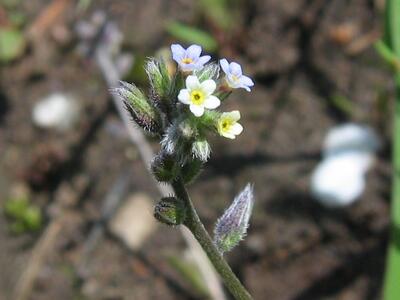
<point x="181" y="111"/>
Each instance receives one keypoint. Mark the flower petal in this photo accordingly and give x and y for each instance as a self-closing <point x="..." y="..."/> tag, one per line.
<point x="235" y="69"/>
<point x="232" y="82"/>
<point x="194" y="51"/>
<point x="211" y="102"/>
<point x="192" y="82"/>
<point x="236" y="129"/>
<point x="235" y="115"/>
<point x="225" y="66"/>
<point x="245" y="87"/>
<point x="208" y="86"/>
<point x="204" y="59"/>
<point x="197" y="110"/>
<point x="187" y="67"/>
<point x="246" y="80"/>
<point x="199" y="64"/>
<point x="184" y="96"/>
<point x="228" y="135"/>
<point x="178" y="52"/>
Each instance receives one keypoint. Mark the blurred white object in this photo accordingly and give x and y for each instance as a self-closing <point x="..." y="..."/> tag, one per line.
<point x="57" y="111"/>
<point x="350" y="136"/>
<point x="349" y="152"/>
<point x="339" y="179"/>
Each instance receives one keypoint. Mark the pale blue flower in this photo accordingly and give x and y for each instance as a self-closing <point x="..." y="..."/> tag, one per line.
<point x="234" y="76"/>
<point x="189" y="59"/>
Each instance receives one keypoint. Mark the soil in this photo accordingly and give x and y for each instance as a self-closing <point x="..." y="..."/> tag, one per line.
<point x="302" y="55"/>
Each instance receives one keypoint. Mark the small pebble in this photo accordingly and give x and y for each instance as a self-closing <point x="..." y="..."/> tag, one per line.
<point x="57" y="111"/>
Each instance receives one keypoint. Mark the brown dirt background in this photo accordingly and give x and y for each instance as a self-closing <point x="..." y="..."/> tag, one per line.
<point x="301" y="53"/>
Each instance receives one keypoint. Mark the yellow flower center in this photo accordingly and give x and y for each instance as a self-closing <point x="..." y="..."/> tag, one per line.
<point x="197" y="97"/>
<point x="225" y="124"/>
<point x="187" y="60"/>
<point x="235" y="78"/>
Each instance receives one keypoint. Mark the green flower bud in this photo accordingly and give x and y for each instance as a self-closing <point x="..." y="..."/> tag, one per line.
<point x="210" y="71"/>
<point x="178" y="140"/>
<point x="159" y="78"/>
<point x="201" y="149"/>
<point x="164" y="167"/>
<point x="170" y="211"/>
<point x="142" y="112"/>
<point x="232" y="226"/>
<point x="186" y="130"/>
<point x="164" y="89"/>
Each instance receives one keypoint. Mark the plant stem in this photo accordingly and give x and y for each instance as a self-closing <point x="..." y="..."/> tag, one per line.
<point x="200" y="233"/>
<point x="392" y="275"/>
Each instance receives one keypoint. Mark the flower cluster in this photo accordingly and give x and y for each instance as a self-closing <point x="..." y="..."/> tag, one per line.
<point x="181" y="108"/>
<point x="199" y="95"/>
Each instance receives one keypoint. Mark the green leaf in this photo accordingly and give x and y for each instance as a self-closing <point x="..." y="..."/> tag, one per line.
<point x="16" y="207"/>
<point x="192" y="35"/>
<point x="33" y="218"/>
<point x="220" y="11"/>
<point x="12" y="44"/>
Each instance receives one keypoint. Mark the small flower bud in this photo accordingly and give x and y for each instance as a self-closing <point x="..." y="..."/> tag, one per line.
<point x="201" y="149"/>
<point x="191" y="170"/>
<point x="164" y="167"/>
<point x="210" y="71"/>
<point x="186" y="130"/>
<point x="232" y="226"/>
<point x="161" y="85"/>
<point x="170" y="139"/>
<point x="170" y="211"/>
<point x="178" y="140"/>
<point x="142" y="112"/>
<point x="157" y="72"/>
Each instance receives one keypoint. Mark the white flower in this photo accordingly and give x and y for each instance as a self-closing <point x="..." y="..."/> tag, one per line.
<point x="58" y="111"/>
<point x="339" y="180"/>
<point x="198" y="95"/>
<point x="348" y="153"/>
<point x="234" y="76"/>
<point x="350" y="136"/>
<point x="189" y="59"/>
<point x="227" y="125"/>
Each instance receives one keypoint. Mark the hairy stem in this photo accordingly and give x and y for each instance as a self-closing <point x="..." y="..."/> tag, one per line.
<point x="200" y="233"/>
<point x="392" y="275"/>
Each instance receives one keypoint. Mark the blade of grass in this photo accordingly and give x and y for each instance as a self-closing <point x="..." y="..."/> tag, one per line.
<point x="192" y="35"/>
<point x="392" y="274"/>
<point x="387" y="55"/>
